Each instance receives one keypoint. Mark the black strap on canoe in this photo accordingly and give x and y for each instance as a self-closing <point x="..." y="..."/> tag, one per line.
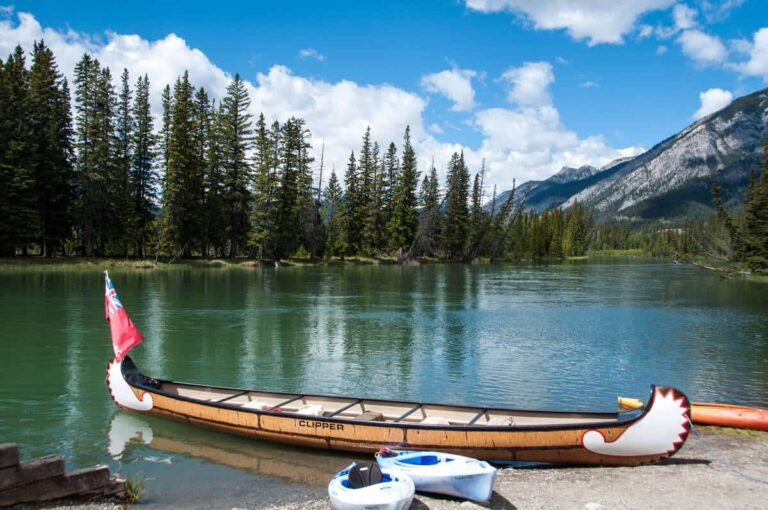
<point x="281" y="404"/>
<point x="477" y="416"/>
<point x="408" y="413"/>
<point x="231" y="397"/>
<point x="341" y="410"/>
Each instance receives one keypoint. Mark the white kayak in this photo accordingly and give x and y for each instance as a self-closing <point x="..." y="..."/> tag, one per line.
<point x="441" y="473"/>
<point x="392" y="491"/>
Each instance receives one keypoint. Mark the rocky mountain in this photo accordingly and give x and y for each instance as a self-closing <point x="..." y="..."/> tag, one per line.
<point x="673" y="179"/>
<point x="556" y="190"/>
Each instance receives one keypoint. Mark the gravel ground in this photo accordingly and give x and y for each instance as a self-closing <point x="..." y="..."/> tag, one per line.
<point x="695" y="478"/>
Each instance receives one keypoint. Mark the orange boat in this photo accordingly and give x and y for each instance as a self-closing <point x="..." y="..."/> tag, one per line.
<point x="722" y="415"/>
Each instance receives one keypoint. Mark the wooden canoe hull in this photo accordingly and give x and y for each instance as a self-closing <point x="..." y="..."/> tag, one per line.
<point x="649" y="436"/>
<point x="721" y="415"/>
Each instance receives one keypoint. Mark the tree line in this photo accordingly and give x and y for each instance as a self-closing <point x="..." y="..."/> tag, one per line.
<point x="87" y="172"/>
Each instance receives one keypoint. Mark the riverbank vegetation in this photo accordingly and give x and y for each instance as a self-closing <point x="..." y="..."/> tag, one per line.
<point x="85" y="172"/>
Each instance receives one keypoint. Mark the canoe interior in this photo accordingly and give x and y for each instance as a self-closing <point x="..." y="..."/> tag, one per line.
<point x="406" y="413"/>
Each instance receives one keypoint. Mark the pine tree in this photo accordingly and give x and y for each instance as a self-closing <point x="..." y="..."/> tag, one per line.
<point x="734" y="230"/>
<point x="294" y="218"/>
<point x="202" y="138"/>
<point x="109" y="233"/>
<point x="756" y="219"/>
<point x="477" y="217"/>
<point x="18" y="212"/>
<point x="333" y="202"/>
<point x="236" y="144"/>
<point x="429" y="218"/>
<point x="260" y="239"/>
<point x="578" y="223"/>
<point x="390" y="175"/>
<point x="165" y="129"/>
<point x="352" y="214"/>
<point x="404" y="221"/>
<point x="456" y="222"/>
<point x="181" y="220"/>
<point x="215" y="213"/>
<point x="90" y="176"/>
<point x="123" y="160"/>
<point x="143" y="175"/>
<point x="367" y="170"/>
<point x="52" y="153"/>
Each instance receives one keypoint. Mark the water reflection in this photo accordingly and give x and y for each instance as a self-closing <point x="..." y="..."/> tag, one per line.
<point x="133" y="437"/>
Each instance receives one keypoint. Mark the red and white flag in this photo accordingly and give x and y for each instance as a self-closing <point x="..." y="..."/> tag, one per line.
<point x="125" y="336"/>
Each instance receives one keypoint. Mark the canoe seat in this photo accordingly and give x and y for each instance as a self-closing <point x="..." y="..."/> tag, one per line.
<point x="370" y="416"/>
<point x="500" y="421"/>
<point x="310" y="410"/>
<point x="435" y="420"/>
<point x="256" y="404"/>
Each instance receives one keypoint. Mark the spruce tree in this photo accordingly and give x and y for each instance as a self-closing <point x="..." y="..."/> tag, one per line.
<point x="366" y="195"/>
<point x="429" y="218"/>
<point x="756" y="219"/>
<point x="215" y="213"/>
<point x="17" y="205"/>
<point x="352" y="214"/>
<point x="181" y="220"/>
<point x="404" y="221"/>
<point x="456" y="222"/>
<point x="294" y="218"/>
<point x="236" y="143"/>
<point x="143" y="175"/>
<point x="123" y="160"/>
<point x="259" y="238"/>
<point x="390" y="175"/>
<point x="52" y="153"/>
<point x="333" y="202"/>
<point x="89" y="177"/>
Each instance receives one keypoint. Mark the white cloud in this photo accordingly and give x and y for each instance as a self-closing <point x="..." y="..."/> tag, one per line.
<point x="435" y="128"/>
<point x="561" y="60"/>
<point x="455" y="84"/>
<point x="703" y="49"/>
<point x="660" y="50"/>
<point x="528" y="141"/>
<point x="529" y="83"/>
<point x="718" y="10"/>
<point x="530" y="138"/>
<point x="311" y="53"/>
<point x="712" y="100"/>
<point x="645" y="31"/>
<point x="589" y="84"/>
<point x="757" y="65"/>
<point x="684" y="16"/>
<point x="599" y="21"/>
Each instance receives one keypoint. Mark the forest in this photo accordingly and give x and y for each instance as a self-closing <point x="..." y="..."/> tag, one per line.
<point x="85" y="171"/>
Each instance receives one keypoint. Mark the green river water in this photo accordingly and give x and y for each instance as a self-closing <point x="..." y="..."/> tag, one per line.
<point x="571" y="336"/>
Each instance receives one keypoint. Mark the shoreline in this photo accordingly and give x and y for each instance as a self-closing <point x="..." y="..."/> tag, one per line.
<point x="88" y="263"/>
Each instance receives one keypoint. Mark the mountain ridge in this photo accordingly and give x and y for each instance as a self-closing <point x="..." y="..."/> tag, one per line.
<point x="671" y="180"/>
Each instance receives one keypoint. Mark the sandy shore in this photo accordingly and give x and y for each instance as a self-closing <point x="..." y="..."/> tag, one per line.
<point x="694" y="479"/>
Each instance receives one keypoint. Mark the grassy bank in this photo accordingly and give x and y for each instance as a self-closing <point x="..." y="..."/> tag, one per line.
<point x="729" y="269"/>
<point x="93" y="263"/>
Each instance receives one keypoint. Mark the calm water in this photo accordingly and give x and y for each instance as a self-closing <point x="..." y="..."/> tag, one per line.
<point x="566" y="336"/>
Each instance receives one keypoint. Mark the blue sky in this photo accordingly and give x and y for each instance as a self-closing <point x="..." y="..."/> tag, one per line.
<point x="527" y="85"/>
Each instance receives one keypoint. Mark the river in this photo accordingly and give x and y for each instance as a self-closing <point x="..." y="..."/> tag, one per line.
<point x="567" y="336"/>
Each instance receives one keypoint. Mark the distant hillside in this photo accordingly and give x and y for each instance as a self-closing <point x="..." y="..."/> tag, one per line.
<point x="673" y="179"/>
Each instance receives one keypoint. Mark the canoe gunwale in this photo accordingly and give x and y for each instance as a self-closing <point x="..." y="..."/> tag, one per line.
<point x="130" y="373"/>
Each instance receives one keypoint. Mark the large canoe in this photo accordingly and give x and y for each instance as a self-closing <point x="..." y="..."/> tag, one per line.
<point x="366" y="425"/>
<point x="722" y="415"/>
